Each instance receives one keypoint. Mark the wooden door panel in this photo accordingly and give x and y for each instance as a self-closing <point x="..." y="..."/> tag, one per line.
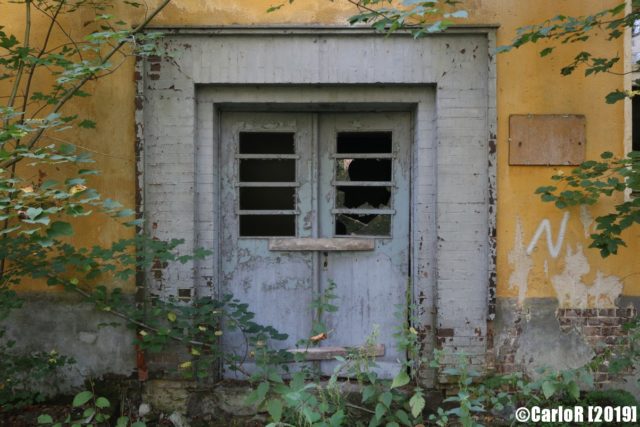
<point x="277" y="286"/>
<point x="328" y="178"/>
<point x="371" y="286"/>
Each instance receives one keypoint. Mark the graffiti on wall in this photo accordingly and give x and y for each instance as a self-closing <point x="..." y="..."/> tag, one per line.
<point x="570" y="289"/>
<point x="545" y="227"/>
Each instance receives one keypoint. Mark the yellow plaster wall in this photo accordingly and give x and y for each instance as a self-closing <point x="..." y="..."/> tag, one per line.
<point x="526" y="84"/>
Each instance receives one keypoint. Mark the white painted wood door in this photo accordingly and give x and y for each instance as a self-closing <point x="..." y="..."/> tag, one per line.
<point x="308" y="176"/>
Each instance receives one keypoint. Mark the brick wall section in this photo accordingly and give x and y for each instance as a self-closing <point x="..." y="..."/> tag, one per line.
<point x="602" y="328"/>
<point x="505" y="360"/>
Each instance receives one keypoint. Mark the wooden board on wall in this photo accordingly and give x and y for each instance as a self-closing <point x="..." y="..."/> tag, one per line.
<point x="547" y="139"/>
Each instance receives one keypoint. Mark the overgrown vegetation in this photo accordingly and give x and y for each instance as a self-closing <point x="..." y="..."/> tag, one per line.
<point x="36" y="213"/>
<point x="592" y="180"/>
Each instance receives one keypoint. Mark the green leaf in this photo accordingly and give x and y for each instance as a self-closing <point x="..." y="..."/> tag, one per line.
<point x="386" y="398"/>
<point x="337" y="418"/>
<point x="59" y="228"/>
<point x="401" y="379"/>
<point x="416" y="403"/>
<point x="380" y="411"/>
<point x="111" y="204"/>
<point x="368" y="392"/>
<point x="548" y="389"/>
<point x="546" y="51"/>
<point x="574" y="390"/>
<point x="66" y="149"/>
<point x="262" y="390"/>
<point x="33" y="213"/>
<point x="102" y="402"/>
<point x="614" y="97"/>
<point x="125" y="212"/>
<point x="403" y="417"/>
<point x="274" y="407"/>
<point x="459" y="14"/>
<point x="87" y="124"/>
<point x="310" y="415"/>
<point x="45" y="419"/>
<point x="88" y="172"/>
<point x="82" y="398"/>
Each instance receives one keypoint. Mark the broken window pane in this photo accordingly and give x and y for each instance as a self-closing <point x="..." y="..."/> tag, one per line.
<point x="267" y="143"/>
<point x="357" y="197"/>
<point x="363" y="170"/>
<point x="267" y="170"/>
<point x="267" y="198"/>
<point x="267" y="225"/>
<point x="363" y="225"/>
<point x="364" y="142"/>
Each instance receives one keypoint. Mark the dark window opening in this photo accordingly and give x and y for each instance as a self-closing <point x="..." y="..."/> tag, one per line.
<point x="364" y="142"/>
<point x="267" y="157"/>
<point x="356" y="197"/>
<point x="363" y="169"/>
<point x="267" y="225"/>
<point x="267" y="198"/>
<point x="267" y="170"/>
<point x="184" y="294"/>
<point x="267" y="143"/>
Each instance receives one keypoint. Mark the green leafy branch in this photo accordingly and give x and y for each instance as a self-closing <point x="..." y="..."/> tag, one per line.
<point x="610" y="23"/>
<point x="73" y="64"/>
<point x="592" y="180"/>
<point x="419" y="17"/>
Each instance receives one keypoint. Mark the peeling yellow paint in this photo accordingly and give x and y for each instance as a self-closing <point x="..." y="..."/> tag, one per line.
<point x="587" y="221"/>
<point x="522" y="264"/>
<point x="572" y="292"/>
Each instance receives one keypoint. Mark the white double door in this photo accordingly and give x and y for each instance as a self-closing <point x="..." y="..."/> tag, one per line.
<point x="289" y="180"/>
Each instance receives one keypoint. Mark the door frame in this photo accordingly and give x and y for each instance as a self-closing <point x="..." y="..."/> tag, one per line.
<point x="418" y="102"/>
<point x="455" y="287"/>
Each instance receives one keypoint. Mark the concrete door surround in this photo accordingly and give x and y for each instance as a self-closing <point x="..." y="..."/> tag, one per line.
<point x="446" y="81"/>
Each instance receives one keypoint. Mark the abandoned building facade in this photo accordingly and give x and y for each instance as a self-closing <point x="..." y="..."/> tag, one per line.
<point x="304" y="152"/>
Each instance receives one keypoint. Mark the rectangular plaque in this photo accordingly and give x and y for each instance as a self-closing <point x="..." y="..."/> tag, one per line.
<point x="547" y="139"/>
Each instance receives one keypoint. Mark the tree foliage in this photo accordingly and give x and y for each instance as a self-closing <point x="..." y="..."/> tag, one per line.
<point x="592" y="180"/>
<point x="36" y="213"/>
<point x="420" y="17"/>
<point x="609" y="24"/>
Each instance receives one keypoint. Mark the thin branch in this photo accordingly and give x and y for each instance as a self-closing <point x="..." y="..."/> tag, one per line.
<point x="32" y="72"/>
<point x="61" y="28"/>
<point x="76" y="45"/>
<point x="12" y="99"/>
<point x="18" y="78"/>
<point x="53" y="138"/>
<point x="84" y="80"/>
<point x="359" y="408"/>
<point x="360" y="6"/>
